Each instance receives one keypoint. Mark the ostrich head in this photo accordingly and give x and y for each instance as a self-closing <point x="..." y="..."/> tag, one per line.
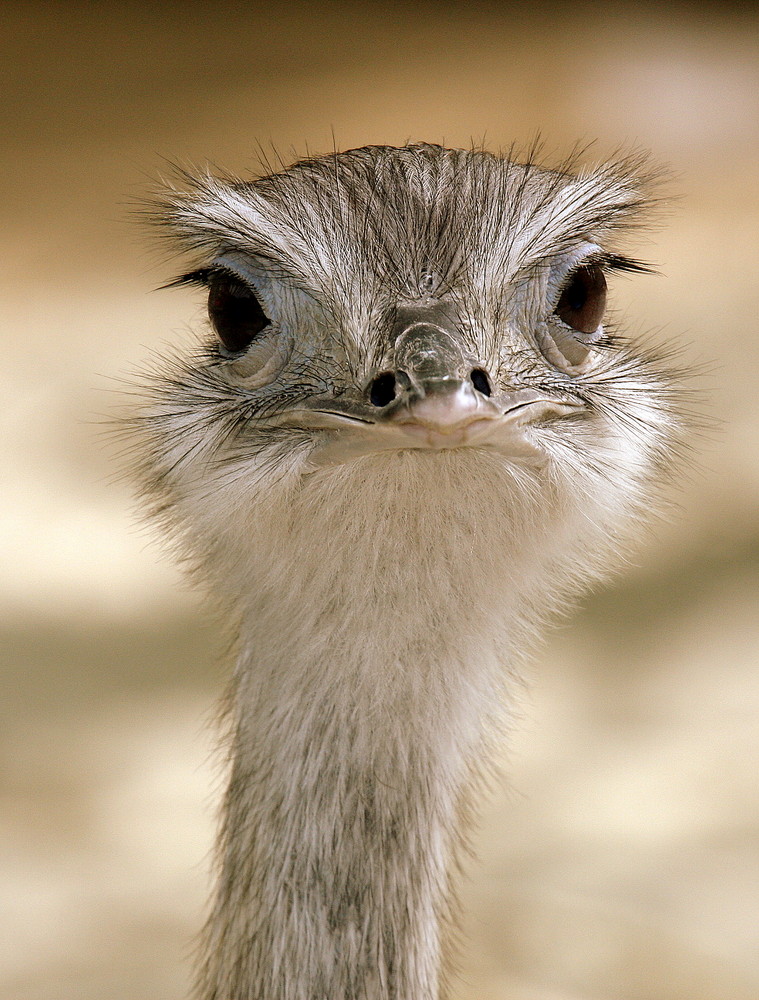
<point x="407" y="436"/>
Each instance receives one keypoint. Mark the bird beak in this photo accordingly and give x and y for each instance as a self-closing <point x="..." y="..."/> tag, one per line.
<point x="441" y="412"/>
<point x="440" y="398"/>
<point x="430" y="395"/>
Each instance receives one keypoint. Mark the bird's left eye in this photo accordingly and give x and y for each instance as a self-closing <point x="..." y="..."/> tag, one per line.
<point x="583" y="299"/>
<point x="235" y="312"/>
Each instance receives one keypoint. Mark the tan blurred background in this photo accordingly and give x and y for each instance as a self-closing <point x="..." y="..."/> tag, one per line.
<point x="619" y="861"/>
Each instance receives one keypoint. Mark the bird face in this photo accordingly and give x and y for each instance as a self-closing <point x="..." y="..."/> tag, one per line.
<point x="417" y="298"/>
<point x="430" y="389"/>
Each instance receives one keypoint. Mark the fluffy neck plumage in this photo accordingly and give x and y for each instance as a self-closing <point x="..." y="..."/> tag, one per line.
<point x="340" y="831"/>
<point x="378" y="604"/>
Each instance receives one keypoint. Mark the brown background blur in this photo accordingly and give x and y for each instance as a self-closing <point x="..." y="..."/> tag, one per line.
<point x="619" y="861"/>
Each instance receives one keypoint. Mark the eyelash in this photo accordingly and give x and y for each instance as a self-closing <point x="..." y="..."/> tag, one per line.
<point x="202" y="277"/>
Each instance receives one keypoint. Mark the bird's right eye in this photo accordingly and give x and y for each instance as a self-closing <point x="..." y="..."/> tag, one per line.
<point x="235" y="312"/>
<point x="583" y="299"/>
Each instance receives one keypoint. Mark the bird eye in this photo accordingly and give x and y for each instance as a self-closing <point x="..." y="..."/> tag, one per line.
<point x="235" y="312"/>
<point x="583" y="300"/>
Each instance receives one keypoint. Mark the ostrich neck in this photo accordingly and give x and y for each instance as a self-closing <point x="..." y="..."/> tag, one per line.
<point x="366" y="688"/>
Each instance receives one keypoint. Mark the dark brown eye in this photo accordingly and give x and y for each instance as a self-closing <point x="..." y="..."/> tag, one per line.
<point x="235" y="313"/>
<point x="583" y="300"/>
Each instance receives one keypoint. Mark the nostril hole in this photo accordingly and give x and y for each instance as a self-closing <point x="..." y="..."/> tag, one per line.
<point x="480" y="381"/>
<point x="382" y="389"/>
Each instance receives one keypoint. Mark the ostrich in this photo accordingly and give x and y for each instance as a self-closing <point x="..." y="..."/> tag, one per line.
<point x="407" y="440"/>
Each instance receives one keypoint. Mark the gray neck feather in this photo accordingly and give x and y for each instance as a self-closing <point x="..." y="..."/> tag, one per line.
<point x="368" y="685"/>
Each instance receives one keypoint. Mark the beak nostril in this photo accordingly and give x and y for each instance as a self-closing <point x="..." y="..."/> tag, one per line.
<point x="382" y="389"/>
<point x="480" y="381"/>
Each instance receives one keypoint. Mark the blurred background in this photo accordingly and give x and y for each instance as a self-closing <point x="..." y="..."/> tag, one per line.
<point x="618" y="859"/>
